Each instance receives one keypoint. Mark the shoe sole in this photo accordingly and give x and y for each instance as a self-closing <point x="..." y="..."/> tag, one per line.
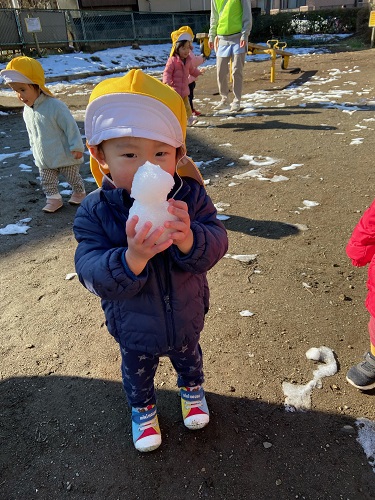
<point x="194" y="426"/>
<point x="51" y="211"/>
<point x="146" y="449"/>
<point x="361" y="388"/>
<point x="223" y="106"/>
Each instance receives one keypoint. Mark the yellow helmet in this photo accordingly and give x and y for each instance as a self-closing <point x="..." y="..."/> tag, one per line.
<point x="25" y="70"/>
<point x="183" y="33"/>
<point x="137" y="105"/>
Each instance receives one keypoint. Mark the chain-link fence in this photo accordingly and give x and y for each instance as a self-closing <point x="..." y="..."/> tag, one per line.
<point x="23" y="29"/>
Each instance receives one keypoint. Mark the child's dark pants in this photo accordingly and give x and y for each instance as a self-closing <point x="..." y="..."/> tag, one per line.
<point x="191" y="95"/>
<point x="139" y="368"/>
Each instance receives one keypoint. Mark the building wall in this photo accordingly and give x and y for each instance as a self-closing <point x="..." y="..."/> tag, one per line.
<point x="205" y="5"/>
<point x="174" y="5"/>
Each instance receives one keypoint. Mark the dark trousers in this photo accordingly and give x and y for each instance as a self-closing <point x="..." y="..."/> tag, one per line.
<point x="139" y="368"/>
<point x="191" y="95"/>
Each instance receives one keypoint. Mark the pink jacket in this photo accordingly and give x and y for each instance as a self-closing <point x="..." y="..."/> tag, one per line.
<point x="197" y="61"/>
<point x="361" y="250"/>
<point x="176" y="74"/>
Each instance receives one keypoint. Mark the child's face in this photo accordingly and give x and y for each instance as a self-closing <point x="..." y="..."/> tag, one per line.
<point x="124" y="155"/>
<point x="26" y="93"/>
<point x="184" y="50"/>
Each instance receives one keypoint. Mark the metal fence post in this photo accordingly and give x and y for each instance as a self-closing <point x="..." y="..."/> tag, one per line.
<point x="82" y="18"/>
<point x="133" y="26"/>
<point x="19" y="27"/>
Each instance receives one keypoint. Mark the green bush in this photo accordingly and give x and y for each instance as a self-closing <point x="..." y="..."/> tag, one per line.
<point x="362" y="29"/>
<point x="286" y="24"/>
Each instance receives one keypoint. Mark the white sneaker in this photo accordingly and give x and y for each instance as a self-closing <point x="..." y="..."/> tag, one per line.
<point x="235" y="106"/>
<point x="223" y="104"/>
<point x="192" y="120"/>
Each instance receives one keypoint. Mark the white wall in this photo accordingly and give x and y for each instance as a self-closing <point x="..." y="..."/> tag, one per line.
<point x="173" y="5"/>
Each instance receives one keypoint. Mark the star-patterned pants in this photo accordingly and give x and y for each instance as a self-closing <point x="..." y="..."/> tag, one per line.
<point x="139" y="368"/>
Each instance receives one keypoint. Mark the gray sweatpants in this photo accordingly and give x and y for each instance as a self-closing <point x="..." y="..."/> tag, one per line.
<point x="222" y="65"/>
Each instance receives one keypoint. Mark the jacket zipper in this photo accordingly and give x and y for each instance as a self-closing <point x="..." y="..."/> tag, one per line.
<point x="165" y="290"/>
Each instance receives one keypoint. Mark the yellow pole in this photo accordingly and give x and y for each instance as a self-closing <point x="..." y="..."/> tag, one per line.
<point x="273" y="63"/>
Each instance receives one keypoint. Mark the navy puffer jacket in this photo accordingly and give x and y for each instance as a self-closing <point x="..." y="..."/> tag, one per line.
<point x="165" y="305"/>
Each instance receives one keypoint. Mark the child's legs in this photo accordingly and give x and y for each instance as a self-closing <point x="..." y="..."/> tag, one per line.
<point x="191" y="95"/>
<point x="188" y="363"/>
<point x="222" y="76"/>
<point x="237" y="73"/>
<point x="138" y="372"/>
<point x="187" y="107"/>
<point x="74" y="178"/>
<point x="371" y="330"/>
<point x="49" y="178"/>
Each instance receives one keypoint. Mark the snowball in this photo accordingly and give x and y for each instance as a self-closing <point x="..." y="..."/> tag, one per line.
<point x="151" y="185"/>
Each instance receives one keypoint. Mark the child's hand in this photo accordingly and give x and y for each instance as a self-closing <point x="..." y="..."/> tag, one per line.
<point x="182" y="235"/>
<point x="77" y="155"/>
<point x="142" y="244"/>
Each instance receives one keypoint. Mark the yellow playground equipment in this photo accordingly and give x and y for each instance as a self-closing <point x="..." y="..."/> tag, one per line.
<point x="203" y="44"/>
<point x="274" y="48"/>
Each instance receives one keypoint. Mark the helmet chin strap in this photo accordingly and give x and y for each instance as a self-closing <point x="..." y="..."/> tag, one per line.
<point x="178" y="175"/>
<point x="106" y="176"/>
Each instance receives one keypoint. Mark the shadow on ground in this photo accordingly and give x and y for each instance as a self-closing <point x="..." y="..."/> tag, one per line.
<point x="269" y="229"/>
<point x="69" y="437"/>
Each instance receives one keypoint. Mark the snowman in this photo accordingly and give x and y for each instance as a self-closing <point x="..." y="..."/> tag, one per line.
<point x="150" y="187"/>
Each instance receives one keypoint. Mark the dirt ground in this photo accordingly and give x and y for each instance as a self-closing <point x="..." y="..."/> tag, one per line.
<point x="64" y="424"/>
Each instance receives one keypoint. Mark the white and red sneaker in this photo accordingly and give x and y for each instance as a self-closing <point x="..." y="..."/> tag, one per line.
<point x="145" y="428"/>
<point x="194" y="407"/>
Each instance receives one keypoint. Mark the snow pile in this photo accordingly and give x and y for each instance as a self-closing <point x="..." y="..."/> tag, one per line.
<point x="366" y="438"/>
<point x="20" y="227"/>
<point x="298" y="397"/>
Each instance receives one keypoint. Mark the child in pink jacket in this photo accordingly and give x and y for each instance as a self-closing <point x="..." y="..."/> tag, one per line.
<point x="361" y="250"/>
<point x="179" y="66"/>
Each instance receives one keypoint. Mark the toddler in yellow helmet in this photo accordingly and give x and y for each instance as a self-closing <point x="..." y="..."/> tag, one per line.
<point x="54" y="136"/>
<point x="154" y="292"/>
<point x="181" y="65"/>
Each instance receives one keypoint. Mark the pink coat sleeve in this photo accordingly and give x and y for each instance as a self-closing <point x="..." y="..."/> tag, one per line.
<point x="195" y="61"/>
<point x="361" y="245"/>
<point x="168" y="72"/>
